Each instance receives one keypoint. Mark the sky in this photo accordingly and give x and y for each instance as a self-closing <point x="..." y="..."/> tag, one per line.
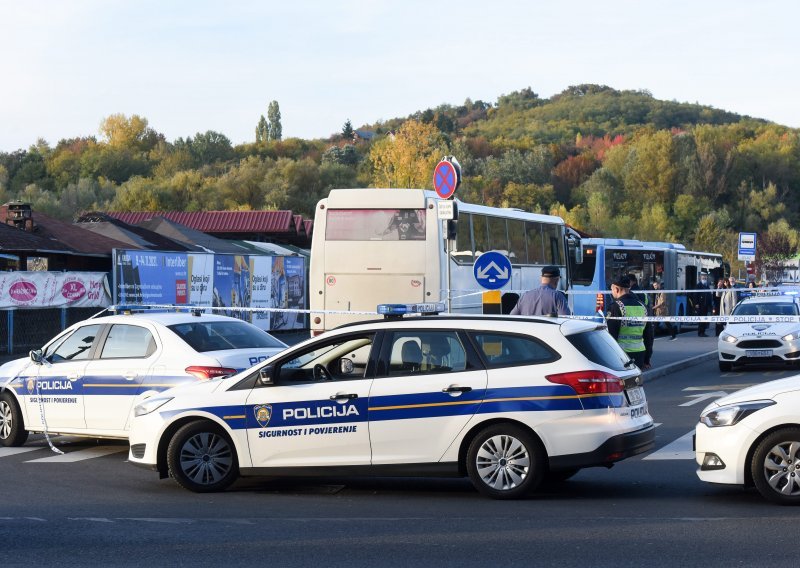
<point x="193" y="66"/>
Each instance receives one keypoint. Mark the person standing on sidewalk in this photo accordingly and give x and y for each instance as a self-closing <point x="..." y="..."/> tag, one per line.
<point x="546" y="300"/>
<point x="661" y="308"/>
<point x="633" y="335"/>
<point x="702" y="303"/>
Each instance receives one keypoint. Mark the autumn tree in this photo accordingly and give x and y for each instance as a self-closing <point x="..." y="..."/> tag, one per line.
<point x="407" y="158"/>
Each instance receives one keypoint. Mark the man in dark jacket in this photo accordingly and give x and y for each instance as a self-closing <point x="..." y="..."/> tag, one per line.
<point x="633" y="335"/>
<point x="702" y="303"/>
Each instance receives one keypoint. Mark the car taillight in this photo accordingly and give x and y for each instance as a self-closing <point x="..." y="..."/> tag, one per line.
<point x="600" y="303"/>
<point x="205" y="373"/>
<point x="589" y="382"/>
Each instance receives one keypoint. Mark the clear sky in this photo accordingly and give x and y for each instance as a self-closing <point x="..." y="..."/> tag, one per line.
<point x="192" y="66"/>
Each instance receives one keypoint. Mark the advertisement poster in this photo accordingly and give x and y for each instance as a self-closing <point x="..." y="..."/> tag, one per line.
<point x="294" y="267"/>
<point x="54" y="290"/>
<point x="261" y="287"/>
<point x="201" y="279"/>
<point x="232" y="284"/>
<point x="150" y="277"/>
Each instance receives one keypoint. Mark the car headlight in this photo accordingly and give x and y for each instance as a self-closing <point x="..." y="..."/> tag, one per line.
<point x="728" y="338"/>
<point x="792" y="336"/>
<point x="149" y="406"/>
<point x="732" y="413"/>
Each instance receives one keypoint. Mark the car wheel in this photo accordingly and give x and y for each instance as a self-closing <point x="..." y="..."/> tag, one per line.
<point x="202" y="458"/>
<point x="560" y="475"/>
<point x="776" y="467"/>
<point x="12" y="429"/>
<point x="505" y="462"/>
<point x="725" y="366"/>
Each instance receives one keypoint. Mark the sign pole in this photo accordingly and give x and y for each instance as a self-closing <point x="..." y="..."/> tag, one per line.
<point x="447" y="259"/>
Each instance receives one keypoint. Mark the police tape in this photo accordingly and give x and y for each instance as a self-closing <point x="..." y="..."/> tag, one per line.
<point x="742" y="292"/>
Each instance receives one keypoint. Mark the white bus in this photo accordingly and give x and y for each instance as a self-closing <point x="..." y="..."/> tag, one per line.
<point x="377" y="246"/>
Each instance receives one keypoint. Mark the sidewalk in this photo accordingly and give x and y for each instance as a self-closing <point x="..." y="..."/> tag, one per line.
<point x="687" y="350"/>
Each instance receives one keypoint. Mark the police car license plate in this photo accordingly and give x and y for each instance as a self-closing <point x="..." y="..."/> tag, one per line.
<point x="635" y="396"/>
<point x="758" y="352"/>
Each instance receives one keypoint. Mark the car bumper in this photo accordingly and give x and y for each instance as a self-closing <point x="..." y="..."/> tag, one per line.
<point x="721" y="453"/>
<point x="787" y="352"/>
<point x="612" y="450"/>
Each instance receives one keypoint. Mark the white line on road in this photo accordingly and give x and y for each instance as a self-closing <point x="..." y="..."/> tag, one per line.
<point x="80" y="455"/>
<point x="701" y="397"/>
<point x="5" y="452"/>
<point x="680" y="449"/>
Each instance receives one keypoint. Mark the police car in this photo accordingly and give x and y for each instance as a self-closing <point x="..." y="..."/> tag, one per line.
<point x="752" y="437"/>
<point x="87" y="379"/>
<point x="507" y="401"/>
<point x="757" y="339"/>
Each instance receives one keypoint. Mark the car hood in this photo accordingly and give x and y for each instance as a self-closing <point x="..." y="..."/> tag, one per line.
<point x="14" y="368"/>
<point x="763" y="391"/>
<point x="760" y="330"/>
<point x="241" y="359"/>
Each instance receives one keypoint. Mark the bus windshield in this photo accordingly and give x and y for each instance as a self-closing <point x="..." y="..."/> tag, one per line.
<point x="375" y="225"/>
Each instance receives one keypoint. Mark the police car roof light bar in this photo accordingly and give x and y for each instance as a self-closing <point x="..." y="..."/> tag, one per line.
<point x="399" y="310"/>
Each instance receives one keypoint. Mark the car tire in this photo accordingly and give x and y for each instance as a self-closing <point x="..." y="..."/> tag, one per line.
<point x="776" y="466"/>
<point x="12" y="427"/>
<point x="725" y="366"/>
<point x="505" y="462"/>
<point x="201" y="458"/>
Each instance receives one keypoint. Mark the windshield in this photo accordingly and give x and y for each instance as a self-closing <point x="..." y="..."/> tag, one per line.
<point x="205" y="336"/>
<point x="766" y="309"/>
<point x="375" y="225"/>
<point x="599" y="347"/>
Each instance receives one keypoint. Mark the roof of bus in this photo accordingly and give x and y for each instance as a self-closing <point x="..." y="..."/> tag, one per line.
<point x="632" y="243"/>
<point x="399" y="197"/>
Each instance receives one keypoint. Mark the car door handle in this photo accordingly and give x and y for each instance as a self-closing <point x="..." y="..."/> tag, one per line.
<point x="72" y="377"/>
<point x="129" y="376"/>
<point x="348" y="396"/>
<point x="454" y="388"/>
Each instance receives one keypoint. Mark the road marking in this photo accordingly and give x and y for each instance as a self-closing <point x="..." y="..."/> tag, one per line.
<point x="680" y="449"/>
<point x="701" y="397"/>
<point x="5" y="452"/>
<point x="719" y="387"/>
<point x="80" y="455"/>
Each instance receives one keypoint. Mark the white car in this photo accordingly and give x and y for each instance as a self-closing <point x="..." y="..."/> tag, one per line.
<point x="758" y="341"/>
<point x="87" y="379"/>
<point x="508" y="401"/>
<point x="752" y="437"/>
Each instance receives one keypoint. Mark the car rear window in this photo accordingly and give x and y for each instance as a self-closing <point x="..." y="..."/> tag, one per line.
<point x="205" y="336"/>
<point x="599" y="347"/>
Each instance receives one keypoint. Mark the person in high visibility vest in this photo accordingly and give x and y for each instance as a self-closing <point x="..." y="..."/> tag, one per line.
<point x="633" y="335"/>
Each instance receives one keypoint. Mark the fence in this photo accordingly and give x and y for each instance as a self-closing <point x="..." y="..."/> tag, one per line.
<point x="23" y="330"/>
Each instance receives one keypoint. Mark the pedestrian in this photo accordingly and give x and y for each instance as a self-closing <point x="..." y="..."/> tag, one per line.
<point x="735" y="286"/>
<point x="722" y="284"/>
<point x="727" y="302"/>
<point x="633" y="335"/>
<point x="546" y="300"/>
<point x="702" y="303"/>
<point x="661" y="308"/>
<point x="637" y="291"/>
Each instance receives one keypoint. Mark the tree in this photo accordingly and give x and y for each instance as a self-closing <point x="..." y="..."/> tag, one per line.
<point x="773" y="250"/>
<point x="129" y="133"/>
<point x="407" y="159"/>
<point x="347" y="130"/>
<point x="274" y="117"/>
<point x="262" y="130"/>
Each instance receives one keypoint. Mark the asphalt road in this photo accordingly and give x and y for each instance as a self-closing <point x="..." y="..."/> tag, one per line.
<point x="646" y="511"/>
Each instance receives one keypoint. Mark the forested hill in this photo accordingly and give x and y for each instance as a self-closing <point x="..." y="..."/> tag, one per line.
<point x="613" y="163"/>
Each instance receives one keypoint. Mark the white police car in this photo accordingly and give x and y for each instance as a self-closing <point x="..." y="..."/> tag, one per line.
<point x="508" y="401"/>
<point x="87" y="379"/>
<point x="752" y="437"/>
<point x="755" y="341"/>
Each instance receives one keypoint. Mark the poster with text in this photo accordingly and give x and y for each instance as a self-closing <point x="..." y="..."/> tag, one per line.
<point x="201" y="279"/>
<point x="261" y="286"/>
<point x="151" y="277"/>
<point x="232" y="284"/>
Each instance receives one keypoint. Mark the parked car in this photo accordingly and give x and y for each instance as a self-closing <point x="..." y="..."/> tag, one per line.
<point x="507" y="401"/>
<point x="87" y="379"/>
<point x="752" y="437"/>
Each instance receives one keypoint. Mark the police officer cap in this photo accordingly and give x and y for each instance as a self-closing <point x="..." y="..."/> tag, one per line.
<point x="622" y="282"/>
<point x="551" y="272"/>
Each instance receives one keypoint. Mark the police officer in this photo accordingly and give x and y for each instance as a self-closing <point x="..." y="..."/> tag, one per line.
<point x="702" y="303"/>
<point x="546" y="300"/>
<point x="634" y="336"/>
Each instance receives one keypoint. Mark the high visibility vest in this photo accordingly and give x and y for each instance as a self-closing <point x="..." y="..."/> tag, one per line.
<point x="631" y="332"/>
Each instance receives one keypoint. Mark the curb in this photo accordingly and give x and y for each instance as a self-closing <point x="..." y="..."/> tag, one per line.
<point x="653" y="374"/>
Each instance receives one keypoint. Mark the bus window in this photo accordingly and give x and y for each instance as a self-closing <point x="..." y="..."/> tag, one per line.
<point x="583" y="273"/>
<point x="375" y="225"/>
<point x="533" y="231"/>
<point x="555" y="244"/>
<point x="517" y="252"/>
<point x="463" y="253"/>
<point x="480" y="234"/>
<point x="498" y="237"/>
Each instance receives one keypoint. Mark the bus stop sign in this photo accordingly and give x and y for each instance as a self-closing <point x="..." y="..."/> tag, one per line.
<point x="492" y="270"/>
<point x="445" y="179"/>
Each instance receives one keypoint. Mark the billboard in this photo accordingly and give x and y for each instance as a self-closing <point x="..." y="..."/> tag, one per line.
<point x="39" y="289"/>
<point x="215" y="280"/>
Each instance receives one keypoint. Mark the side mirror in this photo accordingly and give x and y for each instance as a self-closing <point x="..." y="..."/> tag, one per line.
<point x="37" y="356"/>
<point x="345" y="366"/>
<point x="265" y="376"/>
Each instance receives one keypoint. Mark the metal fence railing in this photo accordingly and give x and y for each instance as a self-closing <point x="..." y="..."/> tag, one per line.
<point x="23" y="330"/>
